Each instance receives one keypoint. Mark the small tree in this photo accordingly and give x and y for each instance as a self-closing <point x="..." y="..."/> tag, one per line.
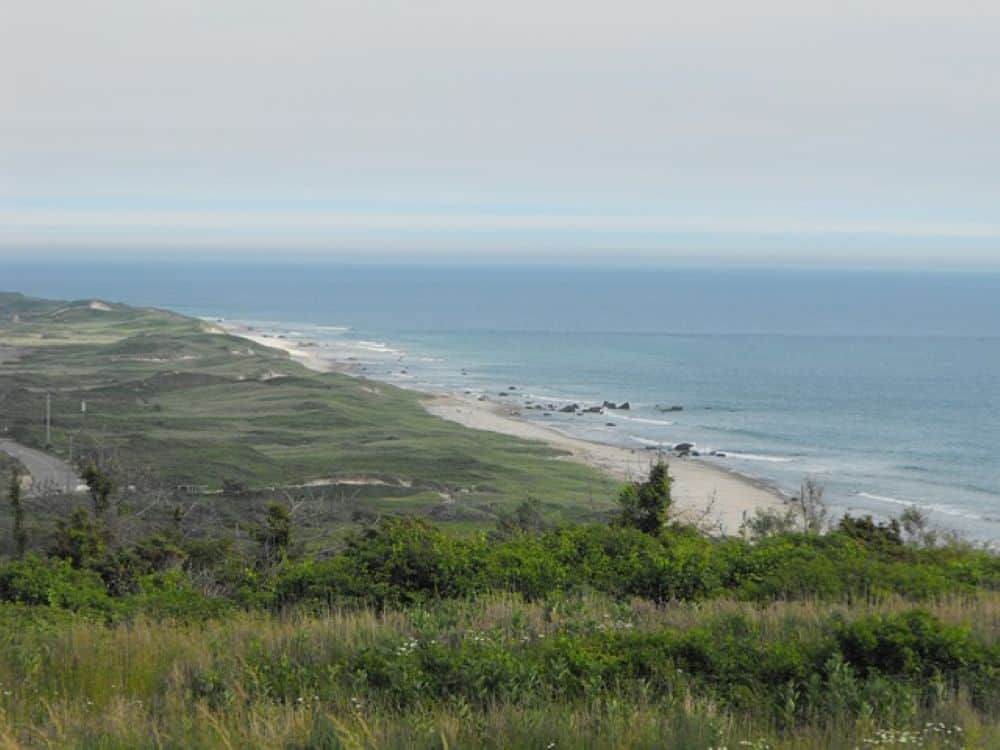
<point x="20" y="535"/>
<point x="811" y="506"/>
<point x="645" y="505"/>
<point x="101" y="485"/>
<point x="917" y="526"/>
<point x="275" y="535"/>
<point x="526" y="518"/>
<point x="81" y="540"/>
<point x="866" y="530"/>
<point x="766" y="522"/>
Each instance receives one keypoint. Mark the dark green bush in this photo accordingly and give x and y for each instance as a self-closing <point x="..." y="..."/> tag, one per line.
<point x="911" y="644"/>
<point x="54" y="583"/>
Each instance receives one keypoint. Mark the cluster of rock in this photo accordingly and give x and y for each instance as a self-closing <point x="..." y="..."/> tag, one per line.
<point x="573" y="408"/>
<point x="578" y="409"/>
<point x="685" y="450"/>
<point x="681" y="450"/>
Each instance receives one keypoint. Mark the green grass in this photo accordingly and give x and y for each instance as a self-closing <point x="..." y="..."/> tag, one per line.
<point x="373" y="679"/>
<point x="170" y="395"/>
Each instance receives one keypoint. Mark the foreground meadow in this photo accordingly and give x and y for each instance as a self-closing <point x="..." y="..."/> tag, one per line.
<point x="572" y="672"/>
<point x="587" y="636"/>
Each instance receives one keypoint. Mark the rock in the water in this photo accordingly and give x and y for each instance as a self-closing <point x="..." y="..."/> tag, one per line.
<point x="684" y="447"/>
<point x="569" y="408"/>
<point x="675" y="407"/>
<point x="610" y="424"/>
<point x="594" y="410"/>
<point x="623" y="406"/>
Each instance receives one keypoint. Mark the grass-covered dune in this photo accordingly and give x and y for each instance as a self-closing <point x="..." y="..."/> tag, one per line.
<point x="185" y="404"/>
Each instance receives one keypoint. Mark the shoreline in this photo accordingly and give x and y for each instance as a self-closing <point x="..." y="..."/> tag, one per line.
<point x="713" y="496"/>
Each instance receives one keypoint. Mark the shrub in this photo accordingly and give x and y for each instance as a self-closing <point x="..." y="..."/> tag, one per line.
<point x="866" y="530"/>
<point x="53" y="583"/>
<point x="910" y="644"/>
<point x="644" y="505"/>
<point x="81" y="540"/>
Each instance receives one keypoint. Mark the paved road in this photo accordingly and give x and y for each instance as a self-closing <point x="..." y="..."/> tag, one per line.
<point x="48" y="473"/>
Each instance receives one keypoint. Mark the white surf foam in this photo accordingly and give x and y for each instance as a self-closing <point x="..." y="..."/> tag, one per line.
<point x="643" y="420"/>
<point x="379" y="347"/>
<point x="644" y="441"/>
<point x="948" y="510"/>
<point x="758" y="457"/>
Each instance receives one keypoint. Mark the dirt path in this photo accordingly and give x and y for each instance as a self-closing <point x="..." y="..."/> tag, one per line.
<point x="48" y="473"/>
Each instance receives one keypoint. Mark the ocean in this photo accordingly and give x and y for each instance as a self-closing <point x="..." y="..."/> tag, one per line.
<point x="884" y="386"/>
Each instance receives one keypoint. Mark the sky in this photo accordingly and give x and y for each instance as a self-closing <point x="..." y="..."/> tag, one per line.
<point x="778" y="131"/>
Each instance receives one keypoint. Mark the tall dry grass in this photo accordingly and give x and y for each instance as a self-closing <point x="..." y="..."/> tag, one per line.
<point x="170" y="685"/>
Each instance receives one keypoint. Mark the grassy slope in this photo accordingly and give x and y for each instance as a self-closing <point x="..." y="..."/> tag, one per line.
<point x="170" y="394"/>
<point x="253" y="680"/>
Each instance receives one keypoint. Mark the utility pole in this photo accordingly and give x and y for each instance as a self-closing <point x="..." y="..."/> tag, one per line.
<point x="70" y="484"/>
<point x="48" y="418"/>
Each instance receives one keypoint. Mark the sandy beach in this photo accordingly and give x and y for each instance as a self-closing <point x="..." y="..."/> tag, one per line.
<point x="306" y="356"/>
<point x="702" y="492"/>
<point x="716" y="498"/>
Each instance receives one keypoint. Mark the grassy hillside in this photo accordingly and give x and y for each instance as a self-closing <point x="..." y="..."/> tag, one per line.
<point x="194" y="406"/>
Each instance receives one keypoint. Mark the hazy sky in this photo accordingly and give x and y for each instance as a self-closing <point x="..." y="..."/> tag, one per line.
<point x="790" y="131"/>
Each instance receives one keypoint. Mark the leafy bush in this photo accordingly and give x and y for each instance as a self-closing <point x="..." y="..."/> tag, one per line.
<point x="170" y="595"/>
<point x="53" y="583"/>
<point x="645" y="505"/>
<point x="866" y="530"/>
<point x="911" y="644"/>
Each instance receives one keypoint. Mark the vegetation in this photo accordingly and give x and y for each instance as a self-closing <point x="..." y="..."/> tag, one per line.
<point x="644" y="505"/>
<point x="19" y="536"/>
<point x="528" y="636"/>
<point x="575" y="671"/>
<point x="133" y="617"/>
<point x="184" y="411"/>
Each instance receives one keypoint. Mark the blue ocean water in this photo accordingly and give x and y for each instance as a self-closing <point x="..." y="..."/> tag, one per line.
<point x="884" y="386"/>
